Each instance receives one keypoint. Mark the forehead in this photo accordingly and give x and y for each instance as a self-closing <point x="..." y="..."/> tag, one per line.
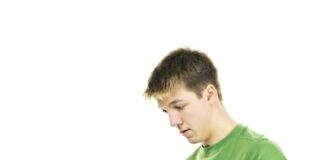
<point x="176" y="95"/>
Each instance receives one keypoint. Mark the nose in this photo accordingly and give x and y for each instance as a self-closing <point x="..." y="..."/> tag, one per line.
<point x="175" y="119"/>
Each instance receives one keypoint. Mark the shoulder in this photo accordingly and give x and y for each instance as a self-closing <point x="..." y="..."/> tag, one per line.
<point x="266" y="150"/>
<point x="260" y="147"/>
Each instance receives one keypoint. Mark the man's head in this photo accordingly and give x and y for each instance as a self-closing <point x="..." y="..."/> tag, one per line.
<point x="186" y="86"/>
<point x="183" y="67"/>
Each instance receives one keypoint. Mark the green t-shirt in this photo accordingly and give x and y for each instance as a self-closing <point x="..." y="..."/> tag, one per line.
<point x="240" y="144"/>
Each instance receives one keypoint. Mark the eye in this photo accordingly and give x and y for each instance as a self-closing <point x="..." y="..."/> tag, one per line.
<point x="179" y="107"/>
<point x="164" y="111"/>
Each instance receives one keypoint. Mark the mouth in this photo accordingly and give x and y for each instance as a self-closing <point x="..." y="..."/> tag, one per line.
<point x="185" y="132"/>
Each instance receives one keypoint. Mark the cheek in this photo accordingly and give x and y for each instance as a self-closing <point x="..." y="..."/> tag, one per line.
<point x="202" y="110"/>
<point x="197" y="114"/>
<point x="204" y="118"/>
<point x="198" y="118"/>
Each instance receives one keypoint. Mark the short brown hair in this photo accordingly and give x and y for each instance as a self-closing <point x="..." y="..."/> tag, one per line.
<point x="192" y="68"/>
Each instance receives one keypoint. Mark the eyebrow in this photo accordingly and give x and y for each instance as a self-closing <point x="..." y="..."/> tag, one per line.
<point x="174" y="102"/>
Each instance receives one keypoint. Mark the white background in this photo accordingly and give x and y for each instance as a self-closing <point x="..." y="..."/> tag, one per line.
<point x="72" y="74"/>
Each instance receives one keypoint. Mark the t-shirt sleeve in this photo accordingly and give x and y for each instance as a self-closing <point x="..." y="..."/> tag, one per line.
<point x="266" y="150"/>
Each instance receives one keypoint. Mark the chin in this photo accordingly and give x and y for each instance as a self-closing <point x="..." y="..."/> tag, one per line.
<point x="194" y="141"/>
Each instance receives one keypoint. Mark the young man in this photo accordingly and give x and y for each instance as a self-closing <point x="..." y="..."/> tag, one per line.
<point x="186" y="87"/>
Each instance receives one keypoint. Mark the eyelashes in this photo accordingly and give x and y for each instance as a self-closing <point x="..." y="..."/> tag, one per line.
<point x="179" y="107"/>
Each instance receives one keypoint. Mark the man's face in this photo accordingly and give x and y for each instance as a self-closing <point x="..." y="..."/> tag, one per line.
<point x="190" y="114"/>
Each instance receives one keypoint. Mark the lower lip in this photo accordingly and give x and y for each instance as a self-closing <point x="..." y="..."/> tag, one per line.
<point x="186" y="133"/>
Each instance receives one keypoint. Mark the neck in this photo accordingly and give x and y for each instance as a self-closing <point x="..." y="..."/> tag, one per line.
<point x="222" y="124"/>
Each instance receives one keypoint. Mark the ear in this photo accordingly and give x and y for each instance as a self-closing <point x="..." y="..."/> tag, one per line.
<point x="212" y="94"/>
